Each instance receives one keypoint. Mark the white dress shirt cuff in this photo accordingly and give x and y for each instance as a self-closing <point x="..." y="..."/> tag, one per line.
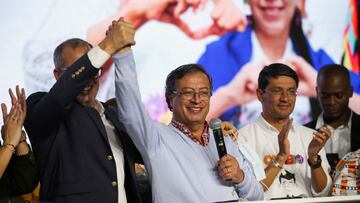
<point x="98" y="57"/>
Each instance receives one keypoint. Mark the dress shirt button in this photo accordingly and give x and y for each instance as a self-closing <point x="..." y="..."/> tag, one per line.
<point x="114" y="183"/>
<point x="109" y="157"/>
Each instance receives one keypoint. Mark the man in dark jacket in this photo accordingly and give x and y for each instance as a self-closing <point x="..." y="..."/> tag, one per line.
<point x="334" y="91"/>
<point x="84" y="152"/>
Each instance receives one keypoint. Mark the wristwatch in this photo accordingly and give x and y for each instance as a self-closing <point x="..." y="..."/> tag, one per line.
<point x="317" y="164"/>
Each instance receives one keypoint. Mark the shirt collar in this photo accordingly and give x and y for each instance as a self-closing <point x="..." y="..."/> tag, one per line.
<point x="205" y="136"/>
<point x="320" y="122"/>
<point x="267" y="126"/>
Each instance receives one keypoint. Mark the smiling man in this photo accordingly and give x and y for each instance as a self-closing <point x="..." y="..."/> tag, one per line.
<point x="285" y="146"/>
<point x="182" y="158"/>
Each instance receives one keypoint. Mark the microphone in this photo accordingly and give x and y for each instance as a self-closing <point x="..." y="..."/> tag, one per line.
<point x="215" y="125"/>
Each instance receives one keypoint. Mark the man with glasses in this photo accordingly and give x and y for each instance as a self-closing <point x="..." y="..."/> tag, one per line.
<point x="84" y="152"/>
<point x="285" y="146"/>
<point x="181" y="157"/>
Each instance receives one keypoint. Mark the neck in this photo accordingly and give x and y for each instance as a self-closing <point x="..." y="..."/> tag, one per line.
<point x="276" y="123"/>
<point x="95" y="104"/>
<point x="197" y="130"/>
<point x="336" y="122"/>
<point x="273" y="45"/>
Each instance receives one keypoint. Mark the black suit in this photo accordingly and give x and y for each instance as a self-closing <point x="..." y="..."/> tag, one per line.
<point x="71" y="143"/>
<point x="355" y="131"/>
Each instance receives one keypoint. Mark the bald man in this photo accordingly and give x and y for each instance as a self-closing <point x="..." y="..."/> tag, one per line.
<point x="333" y="92"/>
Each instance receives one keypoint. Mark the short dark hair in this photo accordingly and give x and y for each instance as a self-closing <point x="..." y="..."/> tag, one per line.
<point x="73" y="43"/>
<point x="273" y="71"/>
<point x="333" y="70"/>
<point x="179" y="73"/>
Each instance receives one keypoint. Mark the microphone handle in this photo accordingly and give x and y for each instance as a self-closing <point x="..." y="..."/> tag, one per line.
<point x="220" y="143"/>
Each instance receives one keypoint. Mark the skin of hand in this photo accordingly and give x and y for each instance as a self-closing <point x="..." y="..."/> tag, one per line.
<point x="284" y="144"/>
<point x="14" y="120"/>
<point x="319" y="140"/>
<point x="229" y="129"/>
<point x="119" y="35"/>
<point x="226" y="16"/>
<point x="307" y="75"/>
<point x="229" y="169"/>
<point x="240" y="90"/>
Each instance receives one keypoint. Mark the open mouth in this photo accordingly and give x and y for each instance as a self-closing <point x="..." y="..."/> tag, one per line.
<point x="195" y="109"/>
<point x="272" y="12"/>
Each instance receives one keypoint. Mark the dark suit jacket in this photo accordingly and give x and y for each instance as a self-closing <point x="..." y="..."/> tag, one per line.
<point x="71" y="144"/>
<point x="355" y="131"/>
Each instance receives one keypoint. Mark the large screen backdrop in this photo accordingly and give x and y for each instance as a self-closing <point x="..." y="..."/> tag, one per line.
<point x="30" y="30"/>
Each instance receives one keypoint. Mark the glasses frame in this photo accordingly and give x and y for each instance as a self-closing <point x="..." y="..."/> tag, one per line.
<point x="191" y="94"/>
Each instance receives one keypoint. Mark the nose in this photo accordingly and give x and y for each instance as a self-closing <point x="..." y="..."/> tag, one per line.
<point x="332" y="100"/>
<point x="284" y="96"/>
<point x="196" y="97"/>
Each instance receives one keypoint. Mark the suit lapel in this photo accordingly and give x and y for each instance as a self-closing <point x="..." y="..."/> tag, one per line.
<point x="121" y="132"/>
<point x="94" y="115"/>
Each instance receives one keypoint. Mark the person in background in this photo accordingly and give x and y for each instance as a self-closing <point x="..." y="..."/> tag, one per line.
<point x="333" y="92"/>
<point x="18" y="169"/>
<point x="84" y="152"/>
<point x="293" y="156"/>
<point x="274" y="34"/>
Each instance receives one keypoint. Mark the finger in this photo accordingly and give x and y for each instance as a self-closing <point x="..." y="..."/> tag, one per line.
<point x="18" y="93"/>
<point x="121" y="19"/>
<point x="12" y="96"/>
<point x="180" y="8"/>
<point x="319" y="137"/>
<point x="326" y="131"/>
<point x="216" y="14"/>
<point x="23" y="100"/>
<point x="23" y="136"/>
<point x="4" y="112"/>
<point x="16" y="114"/>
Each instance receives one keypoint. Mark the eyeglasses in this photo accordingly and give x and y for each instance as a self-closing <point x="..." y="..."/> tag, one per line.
<point x="280" y="92"/>
<point x="203" y="95"/>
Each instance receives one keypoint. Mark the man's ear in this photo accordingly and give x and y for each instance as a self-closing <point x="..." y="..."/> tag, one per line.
<point x="56" y="73"/>
<point x="351" y="91"/>
<point x="259" y="94"/>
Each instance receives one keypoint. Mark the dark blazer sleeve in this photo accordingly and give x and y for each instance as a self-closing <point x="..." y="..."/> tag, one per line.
<point x="21" y="174"/>
<point x="45" y="110"/>
<point x="355" y="132"/>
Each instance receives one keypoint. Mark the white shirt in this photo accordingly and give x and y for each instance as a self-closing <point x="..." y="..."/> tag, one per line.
<point x="340" y="139"/>
<point x="97" y="58"/>
<point x="263" y="137"/>
<point x="118" y="153"/>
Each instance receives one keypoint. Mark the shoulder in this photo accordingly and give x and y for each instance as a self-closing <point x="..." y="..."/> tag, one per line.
<point x="33" y="98"/>
<point x="248" y="132"/>
<point x="230" y="38"/>
<point x="303" y="131"/>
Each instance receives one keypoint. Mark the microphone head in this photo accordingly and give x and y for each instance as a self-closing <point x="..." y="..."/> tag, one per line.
<point x="215" y="123"/>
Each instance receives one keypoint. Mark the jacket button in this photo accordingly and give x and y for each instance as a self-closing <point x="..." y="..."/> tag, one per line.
<point x="114" y="183"/>
<point x="109" y="157"/>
